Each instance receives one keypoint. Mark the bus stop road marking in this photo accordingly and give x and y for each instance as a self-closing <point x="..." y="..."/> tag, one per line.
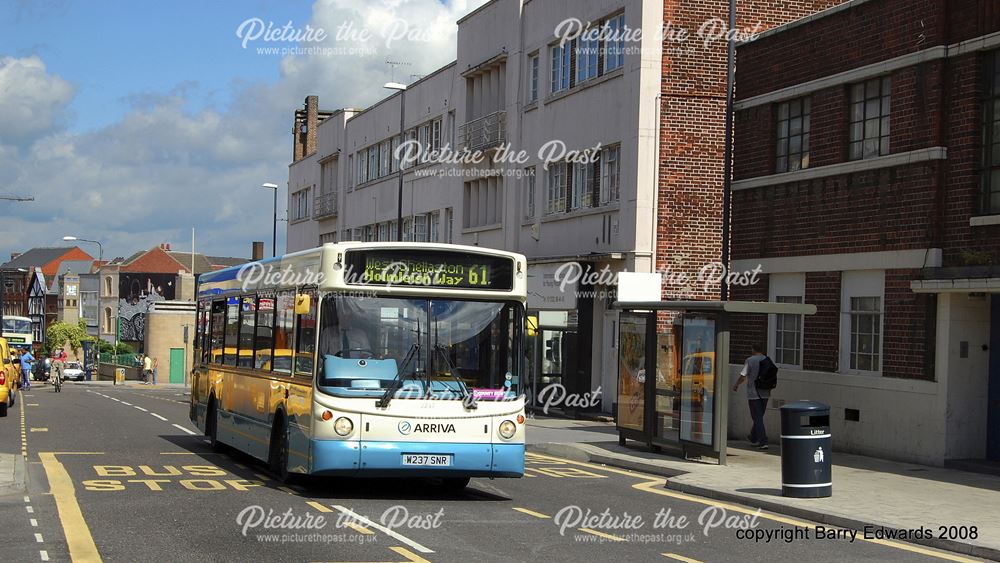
<point x="601" y="534"/>
<point x="357" y="518"/>
<point x="680" y="558"/>
<point x="319" y="506"/>
<point x="531" y="512"/>
<point x="78" y="538"/>
<point x="39" y="429"/>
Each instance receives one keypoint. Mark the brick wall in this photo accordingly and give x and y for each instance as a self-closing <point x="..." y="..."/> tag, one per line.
<point x="692" y="130"/>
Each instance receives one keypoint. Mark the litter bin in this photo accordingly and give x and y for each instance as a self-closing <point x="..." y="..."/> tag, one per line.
<point x="805" y="450"/>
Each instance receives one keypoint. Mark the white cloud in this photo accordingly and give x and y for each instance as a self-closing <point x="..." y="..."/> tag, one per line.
<point x="162" y="169"/>
<point x="31" y="100"/>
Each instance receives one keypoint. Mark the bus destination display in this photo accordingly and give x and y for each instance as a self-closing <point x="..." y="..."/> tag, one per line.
<point x="429" y="268"/>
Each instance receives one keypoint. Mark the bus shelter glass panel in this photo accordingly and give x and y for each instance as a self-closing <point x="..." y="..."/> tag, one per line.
<point x="632" y="372"/>
<point x="668" y="385"/>
<point x="697" y="379"/>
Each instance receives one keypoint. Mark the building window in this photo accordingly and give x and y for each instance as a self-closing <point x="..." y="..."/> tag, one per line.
<point x="991" y="137"/>
<point x="793" y="135"/>
<point x="586" y="56"/>
<point x="869" y="131"/>
<point x="394" y="158"/>
<point x="866" y="328"/>
<point x="533" y="77"/>
<point x="107" y="286"/>
<point x="327" y="237"/>
<point x="435" y="229"/>
<point x="383" y="232"/>
<point x="614" y="47"/>
<point x="788" y="334"/>
<point x="560" y="67"/>
<point x="436" y="134"/>
<point x="611" y="168"/>
<point x="861" y="328"/>
<point x="555" y="189"/>
<point x="300" y="205"/>
<point x="420" y="228"/>
<point x="449" y="225"/>
<point x="408" y="229"/>
<point x="384" y="158"/>
<point x="583" y="186"/>
<point x="108" y="324"/>
<point x="529" y="195"/>
<point x="482" y="202"/>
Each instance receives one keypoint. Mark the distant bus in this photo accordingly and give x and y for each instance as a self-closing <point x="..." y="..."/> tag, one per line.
<point x="398" y="359"/>
<point x="18" y="331"/>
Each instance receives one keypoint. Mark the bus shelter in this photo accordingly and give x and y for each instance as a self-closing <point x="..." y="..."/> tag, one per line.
<point x="673" y="372"/>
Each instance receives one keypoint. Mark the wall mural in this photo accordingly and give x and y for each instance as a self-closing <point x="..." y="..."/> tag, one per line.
<point x="137" y="293"/>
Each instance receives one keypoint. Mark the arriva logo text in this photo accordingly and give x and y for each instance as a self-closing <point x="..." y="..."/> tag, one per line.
<point x="425" y="428"/>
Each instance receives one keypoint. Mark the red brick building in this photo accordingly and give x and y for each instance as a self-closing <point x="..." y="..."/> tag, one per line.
<point x="692" y="130"/>
<point x="867" y="182"/>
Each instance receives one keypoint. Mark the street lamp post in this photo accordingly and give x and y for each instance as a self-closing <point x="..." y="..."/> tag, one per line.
<point x="274" y="225"/>
<point x="401" y="88"/>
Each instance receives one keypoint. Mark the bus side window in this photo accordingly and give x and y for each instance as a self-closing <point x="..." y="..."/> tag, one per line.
<point x="305" y="337"/>
<point x="264" y="336"/>
<point x="217" y="333"/>
<point x="284" y="332"/>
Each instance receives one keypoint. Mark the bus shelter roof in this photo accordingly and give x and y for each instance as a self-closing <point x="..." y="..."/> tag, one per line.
<point x="748" y="307"/>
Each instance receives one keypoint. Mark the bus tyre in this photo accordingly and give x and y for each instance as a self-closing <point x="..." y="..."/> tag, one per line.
<point x="3" y="409"/>
<point x="277" y="459"/>
<point x="454" y="484"/>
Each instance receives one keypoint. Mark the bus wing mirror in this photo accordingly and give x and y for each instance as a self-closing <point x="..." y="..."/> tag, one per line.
<point x="303" y="304"/>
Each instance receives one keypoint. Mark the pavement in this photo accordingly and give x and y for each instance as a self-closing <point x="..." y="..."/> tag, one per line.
<point x="867" y="492"/>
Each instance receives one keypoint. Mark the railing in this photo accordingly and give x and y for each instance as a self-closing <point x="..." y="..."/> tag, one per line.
<point x="325" y="206"/>
<point x="120" y="359"/>
<point x="484" y="133"/>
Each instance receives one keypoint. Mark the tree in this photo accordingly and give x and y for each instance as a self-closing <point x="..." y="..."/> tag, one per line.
<point x="60" y="334"/>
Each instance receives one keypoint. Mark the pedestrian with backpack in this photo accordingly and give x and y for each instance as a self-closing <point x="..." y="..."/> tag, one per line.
<point x="761" y="375"/>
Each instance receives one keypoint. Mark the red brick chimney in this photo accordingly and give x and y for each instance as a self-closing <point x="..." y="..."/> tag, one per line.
<point x="304" y="133"/>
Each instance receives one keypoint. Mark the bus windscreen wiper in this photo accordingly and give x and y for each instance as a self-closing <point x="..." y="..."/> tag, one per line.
<point x="397" y="381"/>
<point x="468" y="399"/>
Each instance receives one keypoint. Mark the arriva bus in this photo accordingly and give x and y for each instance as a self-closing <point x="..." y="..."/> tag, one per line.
<point x="18" y="331"/>
<point x="367" y="359"/>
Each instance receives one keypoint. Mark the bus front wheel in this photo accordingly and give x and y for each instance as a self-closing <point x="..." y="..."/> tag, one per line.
<point x="277" y="458"/>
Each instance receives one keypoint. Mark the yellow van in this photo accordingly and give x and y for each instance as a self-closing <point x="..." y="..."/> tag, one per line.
<point x="9" y="374"/>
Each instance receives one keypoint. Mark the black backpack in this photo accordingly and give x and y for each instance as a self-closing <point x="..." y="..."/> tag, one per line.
<point x="767" y="374"/>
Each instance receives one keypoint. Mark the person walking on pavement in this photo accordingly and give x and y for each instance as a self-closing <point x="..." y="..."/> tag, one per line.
<point x="147" y="369"/>
<point x="26" y="362"/>
<point x="757" y="398"/>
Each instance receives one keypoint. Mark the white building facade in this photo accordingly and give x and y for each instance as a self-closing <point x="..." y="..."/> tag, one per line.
<point x="569" y="133"/>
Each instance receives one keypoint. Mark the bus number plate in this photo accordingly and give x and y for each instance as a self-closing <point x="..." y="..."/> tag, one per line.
<point x="427" y="460"/>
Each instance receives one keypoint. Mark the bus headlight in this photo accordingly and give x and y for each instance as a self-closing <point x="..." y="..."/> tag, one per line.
<point x="507" y="429"/>
<point x="343" y="426"/>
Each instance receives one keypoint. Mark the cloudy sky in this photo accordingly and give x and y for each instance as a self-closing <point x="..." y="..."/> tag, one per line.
<point x="132" y="121"/>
